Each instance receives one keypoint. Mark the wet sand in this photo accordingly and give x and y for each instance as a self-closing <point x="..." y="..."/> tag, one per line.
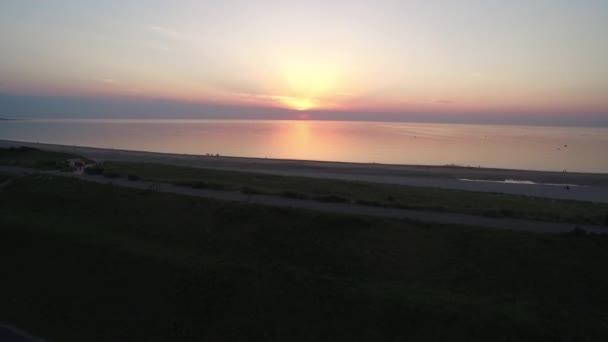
<point x="582" y="186"/>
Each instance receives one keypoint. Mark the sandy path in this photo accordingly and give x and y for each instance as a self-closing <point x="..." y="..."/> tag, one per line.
<point x="341" y="208"/>
<point x="594" y="187"/>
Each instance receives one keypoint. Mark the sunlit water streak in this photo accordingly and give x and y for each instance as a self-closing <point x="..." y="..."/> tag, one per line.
<point x="513" y="147"/>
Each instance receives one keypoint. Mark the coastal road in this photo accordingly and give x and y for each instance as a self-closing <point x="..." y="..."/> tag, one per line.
<point x="341" y="208"/>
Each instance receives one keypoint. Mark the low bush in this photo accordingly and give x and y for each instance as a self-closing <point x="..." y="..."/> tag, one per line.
<point x="331" y="198"/>
<point x="491" y="213"/>
<point x="250" y="191"/>
<point x="204" y="185"/>
<point x="23" y="149"/>
<point x="370" y="203"/>
<point x="67" y="168"/>
<point x="293" y="194"/>
<point x="133" y="177"/>
<point x="94" y="170"/>
<point x="577" y="231"/>
<point x="110" y="174"/>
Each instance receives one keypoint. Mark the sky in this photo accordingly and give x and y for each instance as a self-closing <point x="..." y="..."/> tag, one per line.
<point x="486" y="60"/>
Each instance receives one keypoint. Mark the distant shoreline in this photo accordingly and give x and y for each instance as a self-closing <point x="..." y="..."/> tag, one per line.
<point x="591" y="186"/>
<point x="320" y="119"/>
<point x="86" y="149"/>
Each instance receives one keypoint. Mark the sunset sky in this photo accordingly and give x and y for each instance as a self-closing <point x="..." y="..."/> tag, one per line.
<point x="541" y="57"/>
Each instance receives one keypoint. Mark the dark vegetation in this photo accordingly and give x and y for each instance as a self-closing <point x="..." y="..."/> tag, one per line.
<point x="90" y="262"/>
<point x="325" y="190"/>
<point x="94" y="170"/>
<point x="384" y="195"/>
<point x="24" y="156"/>
<point x="5" y="176"/>
<point x="133" y="177"/>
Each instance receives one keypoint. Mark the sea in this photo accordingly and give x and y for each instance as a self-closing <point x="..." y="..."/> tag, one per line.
<point x="571" y="149"/>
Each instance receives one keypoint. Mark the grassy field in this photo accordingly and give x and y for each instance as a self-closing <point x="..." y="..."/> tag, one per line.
<point x="4" y="177"/>
<point x="387" y="195"/>
<point x="90" y="262"/>
<point x="34" y="158"/>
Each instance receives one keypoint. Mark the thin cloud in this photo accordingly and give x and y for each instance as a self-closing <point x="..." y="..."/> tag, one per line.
<point x="169" y="32"/>
<point x="274" y="97"/>
<point x="106" y="80"/>
<point x="156" y="47"/>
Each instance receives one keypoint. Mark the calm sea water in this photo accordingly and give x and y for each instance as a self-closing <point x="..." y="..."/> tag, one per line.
<point x="514" y="147"/>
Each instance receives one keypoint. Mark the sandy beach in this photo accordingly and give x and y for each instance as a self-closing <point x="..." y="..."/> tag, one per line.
<point x="558" y="185"/>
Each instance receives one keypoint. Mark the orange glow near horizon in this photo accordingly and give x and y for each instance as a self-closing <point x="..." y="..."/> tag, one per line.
<point x="400" y="57"/>
<point x="300" y="104"/>
<point x="307" y="83"/>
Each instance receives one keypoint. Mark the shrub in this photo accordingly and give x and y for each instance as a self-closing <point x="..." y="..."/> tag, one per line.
<point x="203" y="185"/>
<point x="491" y="213"/>
<point x="293" y="194"/>
<point x="369" y="202"/>
<point x="110" y="174"/>
<point x="133" y="177"/>
<point x="250" y="191"/>
<point x="94" y="170"/>
<point x="331" y="198"/>
<point x="23" y="149"/>
<point x="578" y="231"/>
<point x="52" y="164"/>
<point x="507" y="212"/>
<point x="67" y="168"/>
<point x="200" y="185"/>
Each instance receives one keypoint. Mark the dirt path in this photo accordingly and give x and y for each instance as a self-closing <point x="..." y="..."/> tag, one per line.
<point x="342" y="208"/>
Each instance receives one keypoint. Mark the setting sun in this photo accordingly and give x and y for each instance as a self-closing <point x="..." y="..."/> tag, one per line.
<point x="307" y="83"/>
<point x="300" y="104"/>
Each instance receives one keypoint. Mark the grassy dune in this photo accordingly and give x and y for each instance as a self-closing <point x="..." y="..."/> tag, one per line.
<point x="386" y="195"/>
<point x="34" y="158"/>
<point x="83" y="261"/>
<point x="4" y="177"/>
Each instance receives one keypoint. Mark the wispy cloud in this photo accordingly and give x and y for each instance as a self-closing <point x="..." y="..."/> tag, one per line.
<point x="156" y="47"/>
<point x="272" y="97"/>
<point x="106" y="80"/>
<point x="135" y="90"/>
<point x="346" y="94"/>
<point x="169" y="33"/>
<point x="289" y="101"/>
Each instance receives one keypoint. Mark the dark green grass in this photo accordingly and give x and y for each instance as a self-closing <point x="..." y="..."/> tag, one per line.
<point x="5" y="176"/>
<point x="387" y="195"/>
<point x="34" y="158"/>
<point x="90" y="262"/>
